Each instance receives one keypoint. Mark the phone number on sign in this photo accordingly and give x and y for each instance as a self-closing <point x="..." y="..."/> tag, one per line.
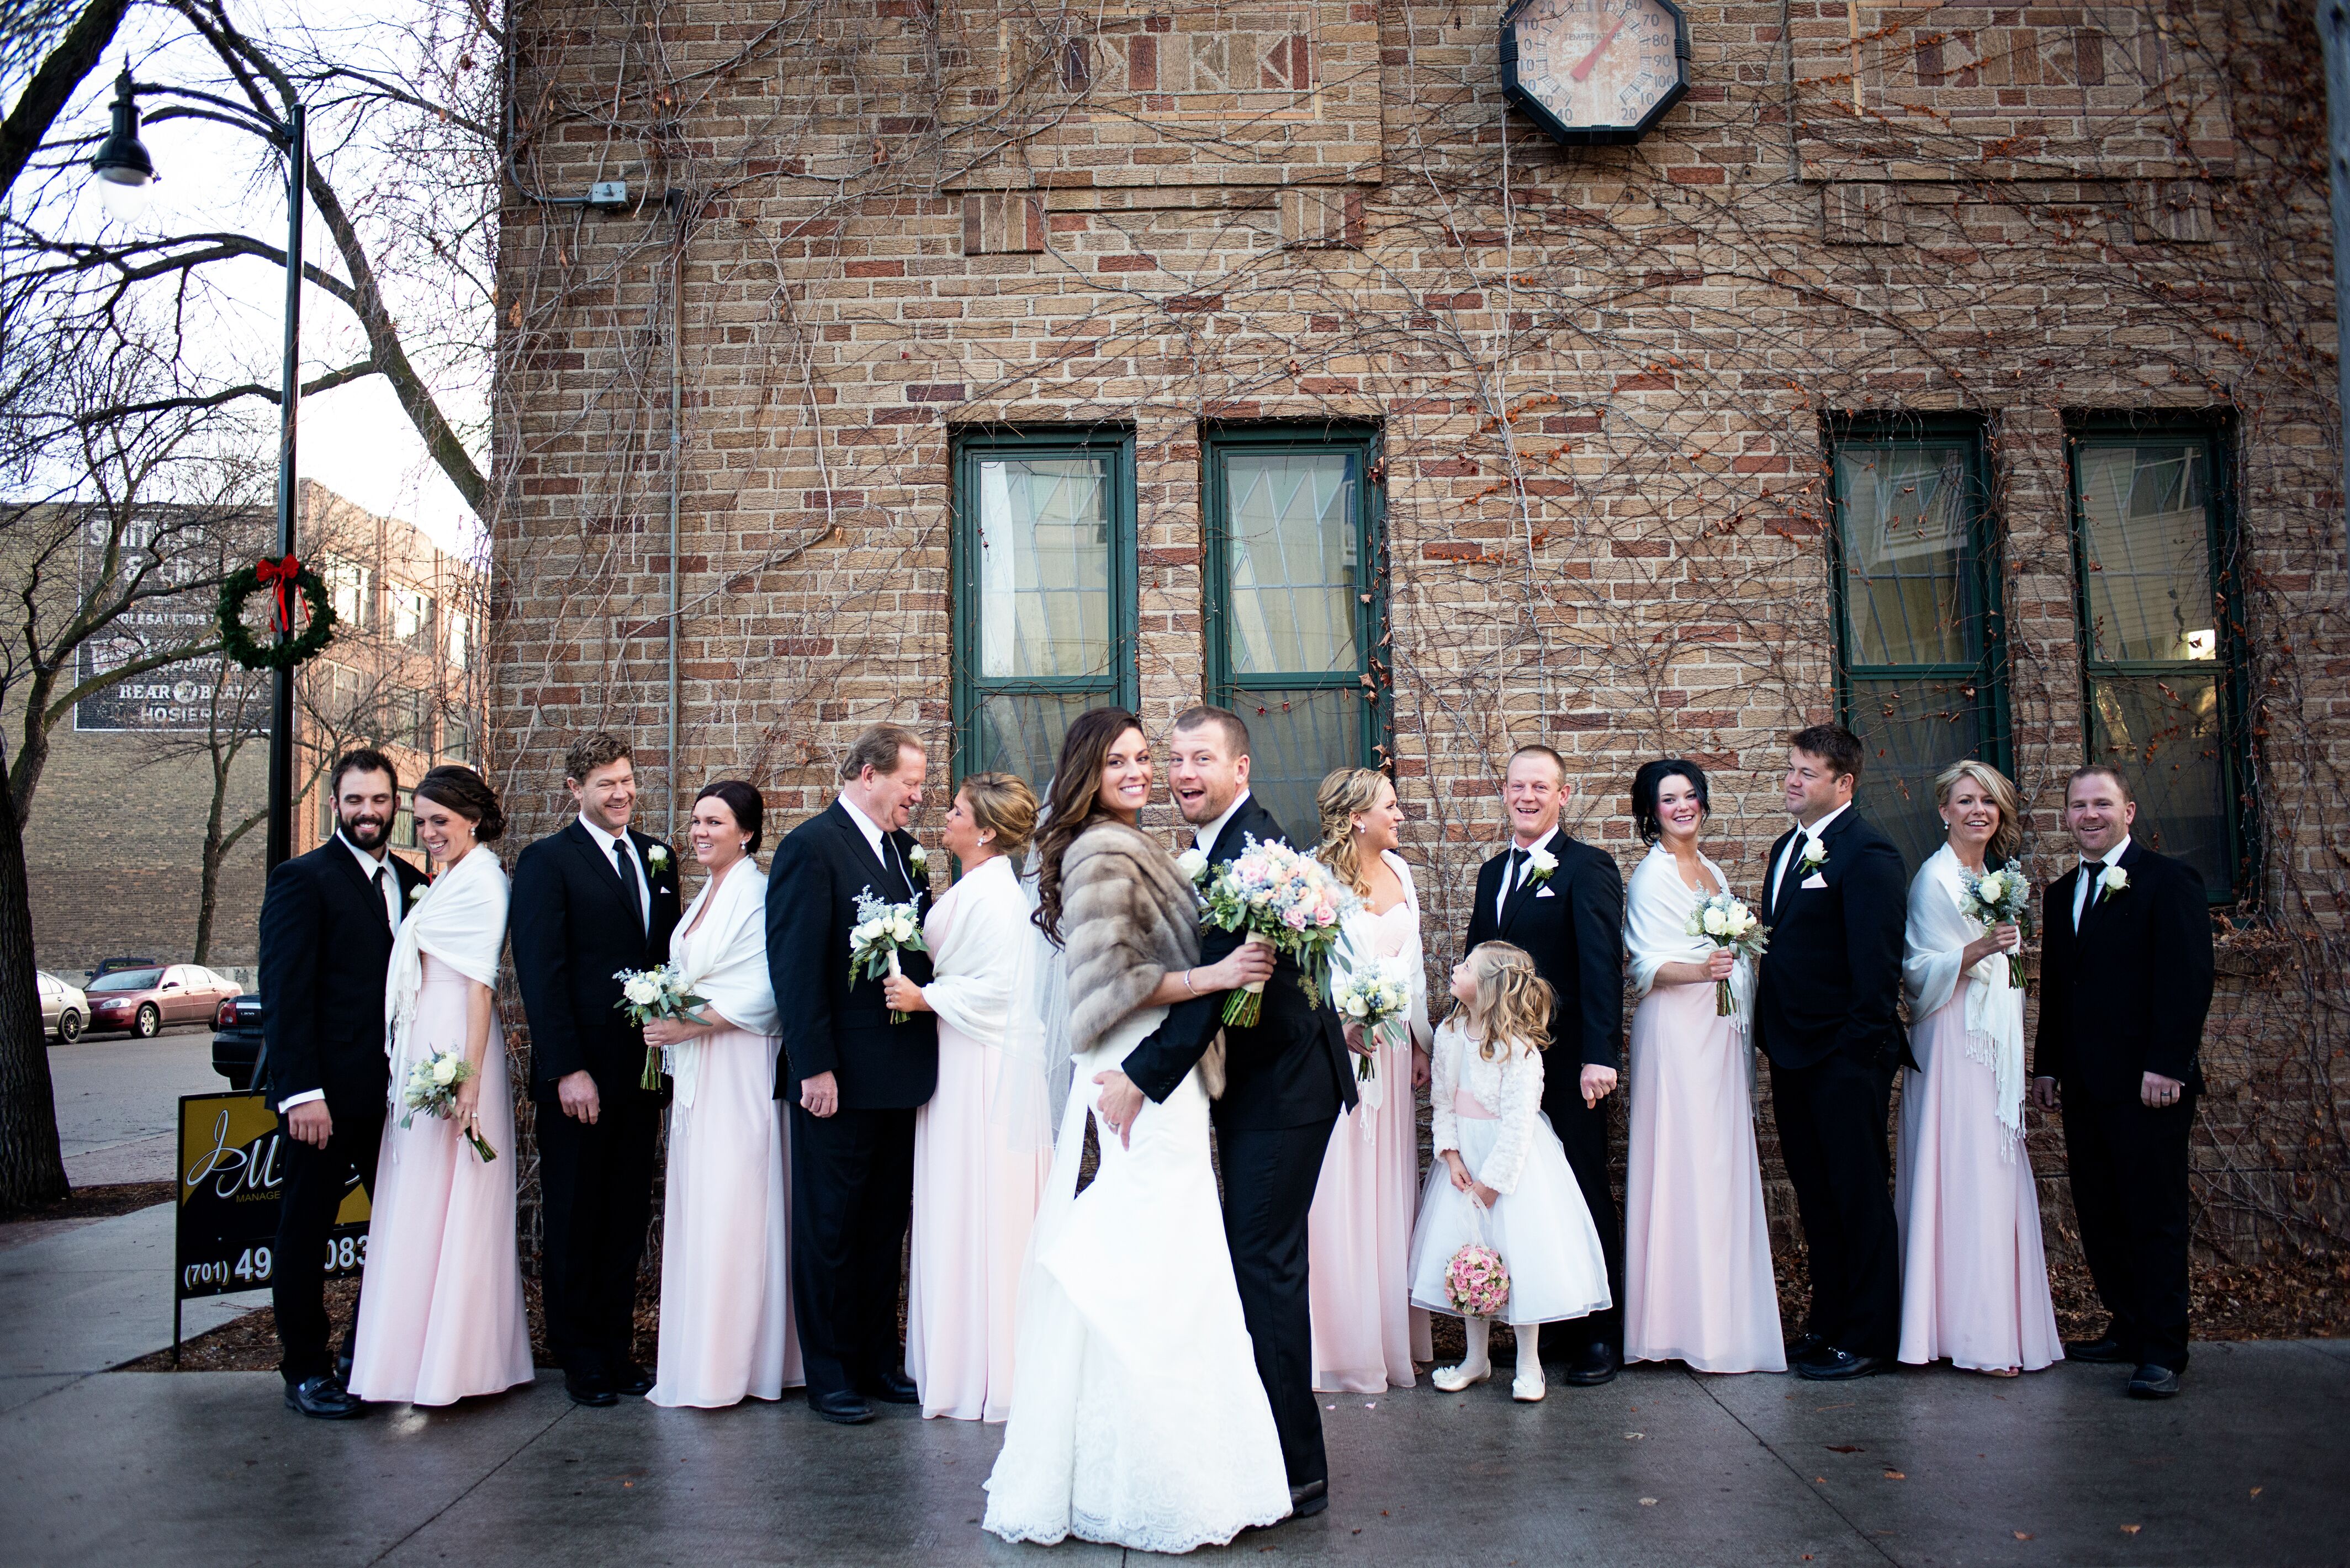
<point x="254" y="1266"/>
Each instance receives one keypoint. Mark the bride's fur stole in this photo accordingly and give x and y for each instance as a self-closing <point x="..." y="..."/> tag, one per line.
<point x="1128" y="920"/>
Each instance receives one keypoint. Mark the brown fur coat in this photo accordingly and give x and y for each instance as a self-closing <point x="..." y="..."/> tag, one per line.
<point x="1128" y="920"/>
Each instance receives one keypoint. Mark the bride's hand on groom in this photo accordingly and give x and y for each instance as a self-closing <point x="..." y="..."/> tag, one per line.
<point x="903" y="995"/>
<point x="1120" y="1103"/>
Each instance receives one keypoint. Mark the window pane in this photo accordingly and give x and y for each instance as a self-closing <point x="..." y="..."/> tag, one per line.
<point x="2164" y="732"/>
<point x="1022" y="734"/>
<point x="1044" y="567"/>
<point x="1292" y="562"/>
<point x="1909" y="731"/>
<point x="2148" y="549"/>
<point x="1903" y="518"/>
<point x="1296" y="739"/>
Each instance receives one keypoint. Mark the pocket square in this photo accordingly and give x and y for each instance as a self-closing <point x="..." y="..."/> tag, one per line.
<point x="1546" y="893"/>
<point x="1815" y="880"/>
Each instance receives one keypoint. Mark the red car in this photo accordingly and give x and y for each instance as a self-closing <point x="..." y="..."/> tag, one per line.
<point x="142" y="1001"/>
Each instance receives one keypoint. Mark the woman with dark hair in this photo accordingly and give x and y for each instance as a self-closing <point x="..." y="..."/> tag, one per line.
<point x="726" y="1293"/>
<point x="440" y="1312"/>
<point x="1130" y="1327"/>
<point x="1698" y="1285"/>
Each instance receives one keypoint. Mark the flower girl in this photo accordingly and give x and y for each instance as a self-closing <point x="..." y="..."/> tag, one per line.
<point x="1496" y="1154"/>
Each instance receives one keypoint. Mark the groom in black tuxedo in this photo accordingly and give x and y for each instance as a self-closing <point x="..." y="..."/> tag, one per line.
<point x="1836" y="902"/>
<point x="1567" y="912"/>
<point x="327" y="925"/>
<point x="590" y="901"/>
<point x="1285" y="1079"/>
<point x="2126" y="973"/>
<point x="854" y="1079"/>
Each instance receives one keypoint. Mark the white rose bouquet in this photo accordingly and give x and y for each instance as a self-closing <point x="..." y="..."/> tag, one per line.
<point x="2000" y="897"/>
<point x="1726" y="922"/>
<point x="882" y="931"/>
<point x="432" y="1088"/>
<point x="1284" y="900"/>
<point x="649" y="993"/>
<point x="1374" y="996"/>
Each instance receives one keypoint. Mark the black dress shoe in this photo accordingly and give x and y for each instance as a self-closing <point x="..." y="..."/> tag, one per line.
<point x="892" y="1388"/>
<point x="2150" y="1382"/>
<point x="2098" y="1351"/>
<point x="323" y="1399"/>
<point x="1595" y="1366"/>
<point x="1313" y="1498"/>
<point x="632" y="1380"/>
<point x="843" y="1408"/>
<point x="1803" y="1346"/>
<point x="592" y="1390"/>
<point x="1834" y="1365"/>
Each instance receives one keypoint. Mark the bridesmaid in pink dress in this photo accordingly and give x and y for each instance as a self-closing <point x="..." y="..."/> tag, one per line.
<point x="440" y="1312"/>
<point x="1974" y="1278"/>
<point x="1359" y="1234"/>
<point x="726" y="1298"/>
<point x="983" y="1144"/>
<point x="1698" y="1285"/>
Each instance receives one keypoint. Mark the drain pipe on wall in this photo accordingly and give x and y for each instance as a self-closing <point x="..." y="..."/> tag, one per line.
<point x="675" y="200"/>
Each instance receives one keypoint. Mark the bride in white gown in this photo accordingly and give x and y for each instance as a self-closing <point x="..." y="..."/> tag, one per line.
<point x="1138" y="1417"/>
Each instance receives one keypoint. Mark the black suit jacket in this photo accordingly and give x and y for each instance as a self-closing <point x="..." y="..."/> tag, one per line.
<point x="1831" y="978"/>
<point x="2127" y="993"/>
<point x="830" y="1025"/>
<point x="574" y="925"/>
<point x="1572" y="924"/>
<point x="325" y="947"/>
<point x="1289" y="1069"/>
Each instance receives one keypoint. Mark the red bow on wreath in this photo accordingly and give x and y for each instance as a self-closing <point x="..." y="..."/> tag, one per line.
<point x="280" y="573"/>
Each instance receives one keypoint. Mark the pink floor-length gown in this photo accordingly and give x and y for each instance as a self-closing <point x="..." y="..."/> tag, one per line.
<point x="440" y="1312"/>
<point x="975" y="1200"/>
<point x="1697" y="1287"/>
<point x="1974" y="1277"/>
<point x="1359" y="1233"/>
<point x="726" y="1329"/>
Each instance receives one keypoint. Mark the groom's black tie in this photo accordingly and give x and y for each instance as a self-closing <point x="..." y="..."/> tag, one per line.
<point x="381" y="908"/>
<point x="628" y="881"/>
<point x="1510" y="882"/>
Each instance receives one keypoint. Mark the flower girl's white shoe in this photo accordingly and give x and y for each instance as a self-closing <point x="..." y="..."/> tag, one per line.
<point x="1529" y="1385"/>
<point x="1453" y="1379"/>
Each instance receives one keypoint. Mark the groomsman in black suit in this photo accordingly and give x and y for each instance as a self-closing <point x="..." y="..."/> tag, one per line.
<point x="854" y="1079"/>
<point x="1286" y="1077"/>
<point x="327" y="927"/>
<point x="2125" y="984"/>
<point x="1561" y="900"/>
<point x="591" y="900"/>
<point x="1836" y="902"/>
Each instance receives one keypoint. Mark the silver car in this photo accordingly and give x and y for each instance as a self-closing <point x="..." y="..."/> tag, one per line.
<point x="65" y="1010"/>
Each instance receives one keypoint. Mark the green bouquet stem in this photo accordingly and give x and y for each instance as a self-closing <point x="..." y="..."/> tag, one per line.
<point x="653" y="1073"/>
<point x="481" y="1146"/>
<point x="1722" y="1006"/>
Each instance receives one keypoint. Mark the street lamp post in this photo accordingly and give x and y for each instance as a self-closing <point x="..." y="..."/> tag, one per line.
<point x="122" y="163"/>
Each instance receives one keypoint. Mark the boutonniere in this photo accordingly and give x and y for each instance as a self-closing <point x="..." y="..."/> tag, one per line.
<point x="2111" y="880"/>
<point x="1540" y="864"/>
<point x="920" y="859"/>
<point x="1193" y="863"/>
<point x="417" y="891"/>
<point x="1815" y="854"/>
<point x="657" y="857"/>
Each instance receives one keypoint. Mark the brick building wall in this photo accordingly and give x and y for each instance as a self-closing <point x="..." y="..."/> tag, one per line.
<point x="1605" y="386"/>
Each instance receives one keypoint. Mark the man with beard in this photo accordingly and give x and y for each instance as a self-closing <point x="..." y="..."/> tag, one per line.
<point x="327" y="927"/>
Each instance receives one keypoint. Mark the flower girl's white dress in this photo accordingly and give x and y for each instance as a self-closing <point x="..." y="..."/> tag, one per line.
<point x="1491" y="1112"/>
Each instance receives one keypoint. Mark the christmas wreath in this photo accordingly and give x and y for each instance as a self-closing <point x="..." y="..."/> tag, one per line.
<point x="285" y="578"/>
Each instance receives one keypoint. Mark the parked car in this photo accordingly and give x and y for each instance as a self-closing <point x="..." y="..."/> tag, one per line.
<point x="107" y="966"/>
<point x="65" y="1010"/>
<point x="237" y="1039"/>
<point x="142" y="1001"/>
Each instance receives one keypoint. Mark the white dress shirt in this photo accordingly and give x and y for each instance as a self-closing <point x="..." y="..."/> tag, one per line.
<point x="1802" y="835"/>
<point x="369" y="865"/>
<point x="876" y="840"/>
<point x="1512" y="875"/>
<point x="2082" y="882"/>
<point x="604" y="843"/>
<point x="1205" y="837"/>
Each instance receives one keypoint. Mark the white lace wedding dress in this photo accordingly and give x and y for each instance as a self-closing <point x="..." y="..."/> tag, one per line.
<point x="1138" y="1418"/>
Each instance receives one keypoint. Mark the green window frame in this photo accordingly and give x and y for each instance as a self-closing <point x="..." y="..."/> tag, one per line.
<point x="2163" y="667"/>
<point x="1295" y="611"/>
<point x="1922" y="660"/>
<point x="1042" y="539"/>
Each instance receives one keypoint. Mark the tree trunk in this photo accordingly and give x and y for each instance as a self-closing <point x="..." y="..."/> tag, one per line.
<point x="32" y="1165"/>
<point x="52" y="86"/>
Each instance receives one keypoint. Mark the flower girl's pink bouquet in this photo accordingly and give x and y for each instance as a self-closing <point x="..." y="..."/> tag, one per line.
<point x="1477" y="1282"/>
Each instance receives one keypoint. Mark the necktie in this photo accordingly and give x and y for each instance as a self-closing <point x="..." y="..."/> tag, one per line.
<point x="2086" y="879"/>
<point x="1509" y="877"/>
<point x="380" y="901"/>
<point x="628" y="882"/>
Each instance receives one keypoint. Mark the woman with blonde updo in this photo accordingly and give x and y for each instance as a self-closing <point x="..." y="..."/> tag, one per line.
<point x="982" y="1145"/>
<point x="1366" y="1330"/>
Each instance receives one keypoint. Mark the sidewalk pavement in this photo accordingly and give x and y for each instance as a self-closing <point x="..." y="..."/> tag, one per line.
<point x="1660" y="1467"/>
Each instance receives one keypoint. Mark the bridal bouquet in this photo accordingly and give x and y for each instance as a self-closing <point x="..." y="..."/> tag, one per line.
<point x="432" y="1088"/>
<point x="883" y="930"/>
<point x="1374" y="996"/>
<point x="1284" y="900"/>
<point x="649" y="993"/>
<point x="2001" y="897"/>
<point x="1727" y="922"/>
